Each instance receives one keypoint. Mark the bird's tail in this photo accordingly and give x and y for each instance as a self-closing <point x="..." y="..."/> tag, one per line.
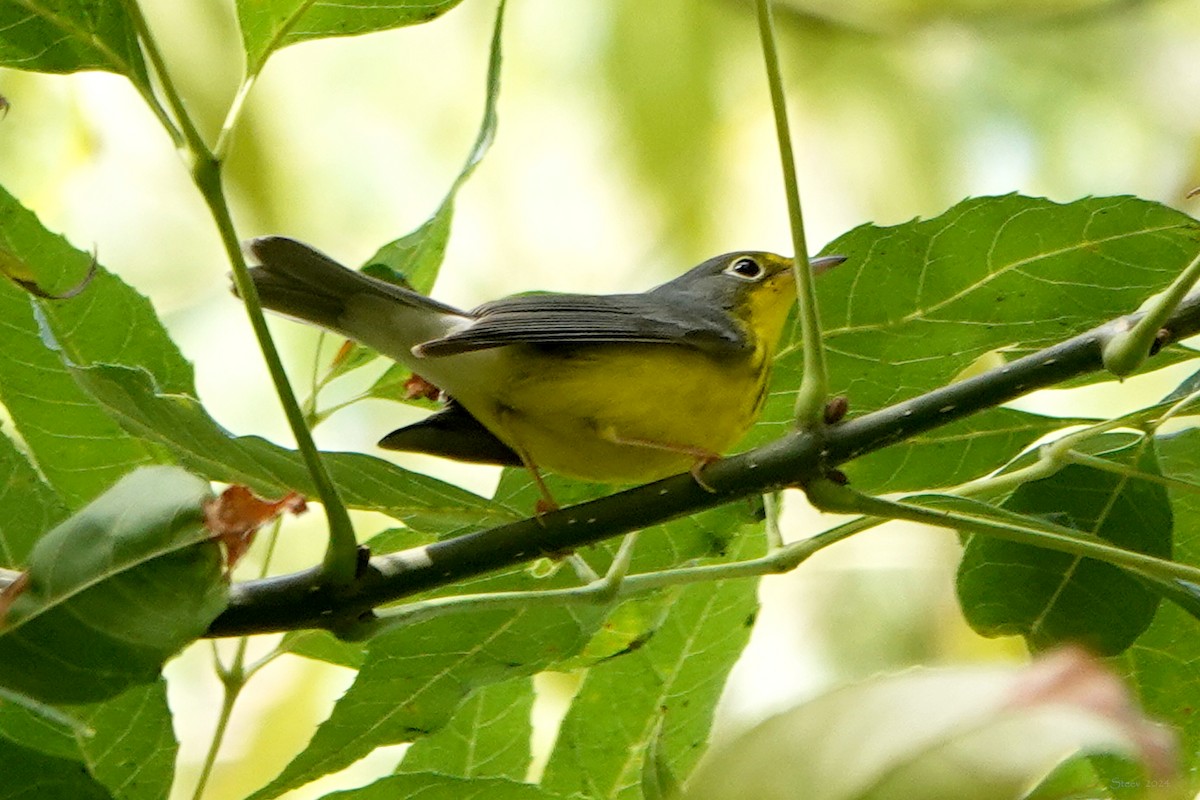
<point x="301" y="282"/>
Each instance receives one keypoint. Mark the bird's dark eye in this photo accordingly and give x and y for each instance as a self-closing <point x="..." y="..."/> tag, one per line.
<point x="746" y="268"/>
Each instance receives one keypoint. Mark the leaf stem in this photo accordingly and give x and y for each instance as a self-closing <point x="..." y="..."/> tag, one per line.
<point x="1175" y="410"/>
<point x="134" y="11"/>
<point x="232" y="690"/>
<point x="814" y="382"/>
<point x="1036" y="532"/>
<point x="342" y="554"/>
<point x="225" y="136"/>
<point x="598" y="590"/>
<point x="1128" y="349"/>
<point x="615" y="584"/>
<point x="48" y="713"/>
<point x="185" y="136"/>
<point x="235" y="677"/>
<point x="316" y="383"/>
<point x="1052" y="457"/>
<point x="1095" y="462"/>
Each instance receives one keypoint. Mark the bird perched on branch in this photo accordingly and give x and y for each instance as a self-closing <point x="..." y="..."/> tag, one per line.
<point x="616" y="388"/>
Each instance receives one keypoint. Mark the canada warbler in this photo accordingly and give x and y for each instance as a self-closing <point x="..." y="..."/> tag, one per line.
<point x="612" y="388"/>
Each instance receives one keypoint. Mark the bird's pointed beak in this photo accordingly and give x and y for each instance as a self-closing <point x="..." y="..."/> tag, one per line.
<point x="824" y="263"/>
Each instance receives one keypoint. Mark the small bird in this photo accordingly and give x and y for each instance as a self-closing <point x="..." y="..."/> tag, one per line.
<point x="618" y="388"/>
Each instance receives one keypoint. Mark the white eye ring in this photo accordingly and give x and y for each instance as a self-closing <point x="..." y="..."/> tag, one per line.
<point x="746" y="269"/>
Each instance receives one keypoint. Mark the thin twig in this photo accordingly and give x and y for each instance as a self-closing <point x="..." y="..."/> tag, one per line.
<point x="814" y="382"/>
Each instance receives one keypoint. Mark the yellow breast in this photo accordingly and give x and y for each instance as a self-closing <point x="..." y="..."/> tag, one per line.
<point x="622" y="413"/>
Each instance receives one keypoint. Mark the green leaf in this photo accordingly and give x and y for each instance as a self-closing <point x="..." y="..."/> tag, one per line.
<point x="32" y="774"/>
<point x="417" y="256"/>
<point x="180" y="424"/>
<point x="126" y="743"/>
<point x="69" y="36"/>
<point x="1163" y="665"/>
<point x="324" y="646"/>
<point x="1050" y="597"/>
<point x="76" y="446"/>
<point x="414" y="677"/>
<point x="268" y="25"/>
<point x="953" y="453"/>
<point x="488" y="736"/>
<point x="133" y="749"/>
<point x="917" y="303"/>
<point x="628" y="627"/>
<point x="31" y="723"/>
<point x="1182" y="593"/>
<point x="30" y="506"/>
<point x="114" y="591"/>
<point x="83" y="335"/>
<point x="65" y="411"/>
<point x="658" y="780"/>
<point x="350" y="356"/>
<point x="432" y="786"/>
<point x="678" y="675"/>
<point x="1187" y="387"/>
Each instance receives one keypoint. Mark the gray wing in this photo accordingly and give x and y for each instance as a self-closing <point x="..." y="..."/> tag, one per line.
<point x="572" y="319"/>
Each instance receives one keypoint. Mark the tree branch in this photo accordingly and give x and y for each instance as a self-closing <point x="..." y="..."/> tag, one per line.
<point x="298" y="601"/>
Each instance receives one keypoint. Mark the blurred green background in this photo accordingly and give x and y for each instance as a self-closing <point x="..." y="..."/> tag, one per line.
<point x="635" y="140"/>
